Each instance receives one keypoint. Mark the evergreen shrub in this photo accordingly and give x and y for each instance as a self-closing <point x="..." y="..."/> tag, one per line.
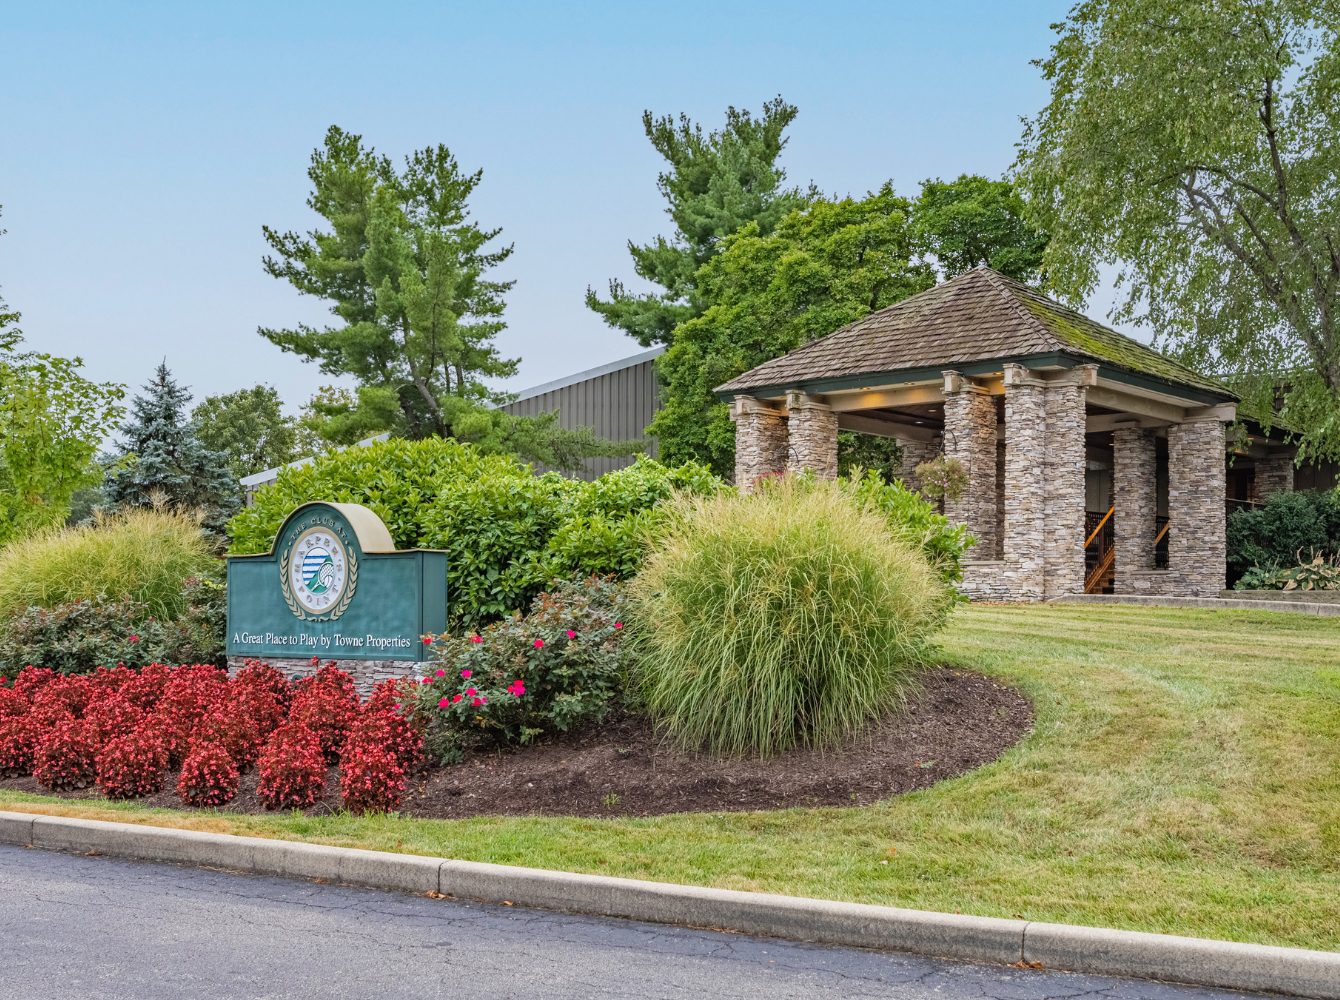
<point x="1288" y="529"/>
<point x="508" y="532"/>
<point x="790" y="617"/>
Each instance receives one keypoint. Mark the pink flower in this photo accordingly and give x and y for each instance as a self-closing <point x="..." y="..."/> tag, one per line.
<point x="477" y="702"/>
<point x="428" y="640"/>
<point x="134" y="638"/>
<point x="470" y="691"/>
<point x="443" y="703"/>
<point x="316" y="660"/>
<point x="425" y="680"/>
<point x="538" y="644"/>
<point x="476" y="638"/>
<point x="570" y="634"/>
<point x="517" y="688"/>
<point x="455" y="698"/>
<point x="440" y="673"/>
<point x="466" y="674"/>
<point x="618" y="624"/>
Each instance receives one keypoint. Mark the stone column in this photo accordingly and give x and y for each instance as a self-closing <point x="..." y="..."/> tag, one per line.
<point x="1197" y="547"/>
<point x="812" y="441"/>
<point x="1135" y="497"/>
<point x="760" y="441"/>
<point x="970" y="437"/>
<point x="913" y="454"/>
<point x="1063" y="521"/>
<point x="1025" y="483"/>
<point x="1274" y="474"/>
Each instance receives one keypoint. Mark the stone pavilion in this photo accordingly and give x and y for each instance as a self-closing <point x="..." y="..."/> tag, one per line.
<point x="1094" y="464"/>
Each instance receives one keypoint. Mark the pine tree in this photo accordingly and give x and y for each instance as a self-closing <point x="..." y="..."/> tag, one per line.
<point x="716" y="183"/>
<point x="160" y="459"/>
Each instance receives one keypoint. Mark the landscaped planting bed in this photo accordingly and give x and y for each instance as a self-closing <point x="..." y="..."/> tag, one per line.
<point x="956" y="721"/>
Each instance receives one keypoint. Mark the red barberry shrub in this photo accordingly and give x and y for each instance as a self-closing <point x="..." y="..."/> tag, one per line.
<point x="12" y="703"/>
<point x="257" y="675"/>
<point x="291" y="768"/>
<point x="371" y="779"/>
<point x="388" y="730"/>
<point x="19" y="736"/>
<point x="111" y="716"/>
<point x="231" y="726"/>
<point x="32" y="679"/>
<point x="132" y="766"/>
<point x="208" y="777"/>
<point x="66" y="757"/>
<point x="146" y="686"/>
<point x="328" y="711"/>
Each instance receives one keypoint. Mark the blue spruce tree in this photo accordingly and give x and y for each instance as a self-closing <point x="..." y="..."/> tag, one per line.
<point x="161" y="461"/>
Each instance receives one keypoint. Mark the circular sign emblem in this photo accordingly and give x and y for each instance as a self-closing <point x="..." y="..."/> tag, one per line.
<point x="318" y="574"/>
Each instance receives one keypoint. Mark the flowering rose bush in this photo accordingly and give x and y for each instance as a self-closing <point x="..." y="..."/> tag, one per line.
<point x="557" y="667"/>
<point x="132" y="766"/>
<point x="292" y="769"/>
<point x="208" y="776"/>
<point x="371" y="779"/>
<point x="66" y="757"/>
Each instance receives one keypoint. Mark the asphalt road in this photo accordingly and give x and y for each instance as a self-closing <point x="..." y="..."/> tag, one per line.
<point x="80" y="927"/>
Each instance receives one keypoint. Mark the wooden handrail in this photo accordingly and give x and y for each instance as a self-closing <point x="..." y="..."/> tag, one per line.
<point x="1105" y="563"/>
<point x="1089" y="541"/>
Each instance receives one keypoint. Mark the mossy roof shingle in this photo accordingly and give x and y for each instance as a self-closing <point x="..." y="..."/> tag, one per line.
<point x="978" y="316"/>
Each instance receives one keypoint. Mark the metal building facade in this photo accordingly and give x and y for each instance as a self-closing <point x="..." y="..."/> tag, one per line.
<point x="616" y="400"/>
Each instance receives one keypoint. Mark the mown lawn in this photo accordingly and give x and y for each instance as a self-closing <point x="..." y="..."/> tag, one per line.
<point x="1184" y="776"/>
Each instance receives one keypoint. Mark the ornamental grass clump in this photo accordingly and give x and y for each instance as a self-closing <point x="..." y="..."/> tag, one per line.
<point x="139" y="555"/>
<point x="789" y="617"/>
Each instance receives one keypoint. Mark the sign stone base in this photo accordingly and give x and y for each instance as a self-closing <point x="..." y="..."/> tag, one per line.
<point x="365" y="673"/>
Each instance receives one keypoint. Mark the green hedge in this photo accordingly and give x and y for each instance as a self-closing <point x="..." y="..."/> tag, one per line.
<point x="507" y="531"/>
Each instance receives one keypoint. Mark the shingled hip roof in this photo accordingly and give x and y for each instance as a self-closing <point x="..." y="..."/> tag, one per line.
<point x="978" y="316"/>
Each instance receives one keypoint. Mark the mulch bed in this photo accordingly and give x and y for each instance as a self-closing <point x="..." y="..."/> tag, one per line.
<point x="956" y="722"/>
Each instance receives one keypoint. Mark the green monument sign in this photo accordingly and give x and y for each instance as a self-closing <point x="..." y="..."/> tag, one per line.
<point x="334" y="586"/>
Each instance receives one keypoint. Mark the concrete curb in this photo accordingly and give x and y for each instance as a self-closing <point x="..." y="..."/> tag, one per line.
<point x="1209" y="603"/>
<point x="943" y="935"/>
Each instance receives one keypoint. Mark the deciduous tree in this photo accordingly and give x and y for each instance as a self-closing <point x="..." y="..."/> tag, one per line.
<point x="249" y="428"/>
<point x="1193" y="146"/>
<point x="52" y="420"/>
<point x="823" y="266"/>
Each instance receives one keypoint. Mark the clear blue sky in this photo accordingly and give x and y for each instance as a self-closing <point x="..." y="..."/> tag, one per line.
<point x="145" y="144"/>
